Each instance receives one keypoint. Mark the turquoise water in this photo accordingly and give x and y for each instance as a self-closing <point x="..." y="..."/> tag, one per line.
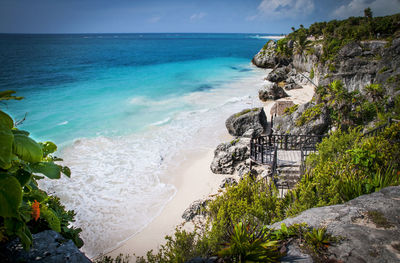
<point x="121" y="107"/>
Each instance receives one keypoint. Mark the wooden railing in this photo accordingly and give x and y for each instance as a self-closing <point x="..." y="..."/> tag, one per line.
<point x="286" y="142"/>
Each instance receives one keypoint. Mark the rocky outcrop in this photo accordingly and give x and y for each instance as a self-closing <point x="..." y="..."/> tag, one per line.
<point x="277" y="75"/>
<point x="241" y="122"/>
<point x="271" y="91"/>
<point x="229" y="181"/>
<point x="280" y="107"/>
<point x="369" y="226"/>
<point x="48" y="247"/>
<point x="268" y="58"/>
<point x="228" y="155"/>
<point x="317" y="125"/>
<point x="195" y="209"/>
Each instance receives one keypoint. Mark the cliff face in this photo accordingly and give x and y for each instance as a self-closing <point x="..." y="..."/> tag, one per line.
<point x="357" y="64"/>
<point x="368" y="225"/>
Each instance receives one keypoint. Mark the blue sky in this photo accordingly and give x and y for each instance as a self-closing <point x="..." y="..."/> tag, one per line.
<point x="130" y="16"/>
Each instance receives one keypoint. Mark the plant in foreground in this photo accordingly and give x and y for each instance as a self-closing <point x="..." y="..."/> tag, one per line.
<point x="248" y="244"/>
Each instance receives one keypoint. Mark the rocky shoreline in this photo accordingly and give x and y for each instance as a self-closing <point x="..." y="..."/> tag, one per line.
<point x="357" y="65"/>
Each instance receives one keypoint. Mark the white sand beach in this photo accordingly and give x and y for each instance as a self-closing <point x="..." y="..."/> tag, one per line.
<point x="193" y="180"/>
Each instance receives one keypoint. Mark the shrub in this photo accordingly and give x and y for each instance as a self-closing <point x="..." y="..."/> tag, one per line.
<point x="24" y="208"/>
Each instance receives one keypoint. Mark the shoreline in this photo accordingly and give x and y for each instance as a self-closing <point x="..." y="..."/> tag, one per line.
<point x="193" y="180"/>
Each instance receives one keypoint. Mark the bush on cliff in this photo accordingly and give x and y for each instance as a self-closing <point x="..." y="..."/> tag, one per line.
<point x="346" y="165"/>
<point x="24" y="208"/>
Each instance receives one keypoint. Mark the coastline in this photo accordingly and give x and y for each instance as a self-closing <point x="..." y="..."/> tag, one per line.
<point x="193" y="180"/>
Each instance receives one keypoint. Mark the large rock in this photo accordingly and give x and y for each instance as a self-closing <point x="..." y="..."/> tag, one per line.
<point x="241" y="122"/>
<point x="268" y="58"/>
<point x="195" y="209"/>
<point x="48" y="247"/>
<point x="287" y="124"/>
<point x="369" y="225"/>
<point x="271" y="91"/>
<point x="277" y="75"/>
<point x="228" y="155"/>
<point x="280" y="107"/>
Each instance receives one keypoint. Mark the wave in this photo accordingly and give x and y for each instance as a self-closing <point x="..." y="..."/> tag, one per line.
<point x="120" y="184"/>
<point x="63" y="123"/>
<point x="268" y="37"/>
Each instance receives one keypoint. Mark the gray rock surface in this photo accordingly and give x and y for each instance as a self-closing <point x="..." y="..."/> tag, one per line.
<point x="365" y="240"/>
<point x="268" y="58"/>
<point x="287" y="123"/>
<point x="228" y="155"/>
<point x="278" y="74"/>
<point x="271" y="91"/>
<point x="48" y="247"/>
<point x="229" y="181"/>
<point x="241" y="122"/>
<point x="195" y="209"/>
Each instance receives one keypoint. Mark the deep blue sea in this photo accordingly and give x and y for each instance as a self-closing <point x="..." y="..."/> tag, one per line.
<point x="121" y="107"/>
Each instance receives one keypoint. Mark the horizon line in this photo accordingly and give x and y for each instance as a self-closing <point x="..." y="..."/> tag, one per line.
<point x="96" y="33"/>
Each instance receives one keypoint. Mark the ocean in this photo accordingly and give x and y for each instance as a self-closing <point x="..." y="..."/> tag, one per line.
<point x="121" y="107"/>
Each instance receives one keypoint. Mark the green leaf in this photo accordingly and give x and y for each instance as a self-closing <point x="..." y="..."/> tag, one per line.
<point x="65" y="170"/>
<point x="53" y="221"/>
<point x="27" y="149"/>
<point x="6" y="120"/>
<point x="51" y="170"/>
<point x="10" y="196"/>
<point x="16" y="131"/>
<point x="23" y="176"/>
<point x="48" y="147"/>
<point x="6" y="142"/>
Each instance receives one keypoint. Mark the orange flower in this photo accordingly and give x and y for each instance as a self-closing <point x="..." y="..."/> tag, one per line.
<point x="36" y="210"/>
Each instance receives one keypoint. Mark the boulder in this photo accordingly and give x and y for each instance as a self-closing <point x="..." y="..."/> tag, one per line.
<point x="48" y="247"/>
<point x="277" y="75"/>
<point x="241" y="122"/>
<point x="280" y="107"/>
<point x="319" y="125"/>
<point x="229" y="181"/>
<point x="369" y="226"/>
<point x="228" y="155"/>
<point x="271" y="91"/>
<point x="268" y="58"/>
<point x="195" y="209"/>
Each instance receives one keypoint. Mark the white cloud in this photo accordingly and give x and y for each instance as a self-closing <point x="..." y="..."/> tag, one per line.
<point x="285" y="8"/>
<point x="356" y="8"/>
<point x="154" y="19"/>
<point x="197" y="16"/>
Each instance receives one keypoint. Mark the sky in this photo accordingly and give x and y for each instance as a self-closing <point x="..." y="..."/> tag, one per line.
<point x="207" y="16"/>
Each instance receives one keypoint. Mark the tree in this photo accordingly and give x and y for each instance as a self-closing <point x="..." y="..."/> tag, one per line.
<point x="368" y="13"/>
<point x="293" y="29"/>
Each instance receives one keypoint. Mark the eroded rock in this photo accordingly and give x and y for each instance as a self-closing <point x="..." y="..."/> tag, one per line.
<point x="48" y="247"/>
<point x="228" y="155"/>
<point x="241" y="122"/>
<point x="364" y="239"/>
<point x="271" y="91"/>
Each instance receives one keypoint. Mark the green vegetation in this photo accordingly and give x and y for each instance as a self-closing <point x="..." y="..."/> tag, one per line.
<point x="292" y="109"/>
<point x="310" y="114"/>
<point x="24" y="208"/>
<point x="282" y="47"/>
<point x="234" y="141"/>
<point x="335" y="34"/>
<point x="312" y="73"/>
<point x="243" y="112"/>
<point x="346" y="165"/>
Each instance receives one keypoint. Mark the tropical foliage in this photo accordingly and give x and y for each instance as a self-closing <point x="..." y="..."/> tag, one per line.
<point x="24" y="208"/>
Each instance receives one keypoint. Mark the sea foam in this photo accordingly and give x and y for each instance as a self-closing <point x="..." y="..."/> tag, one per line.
<point x="119" y="184"/>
